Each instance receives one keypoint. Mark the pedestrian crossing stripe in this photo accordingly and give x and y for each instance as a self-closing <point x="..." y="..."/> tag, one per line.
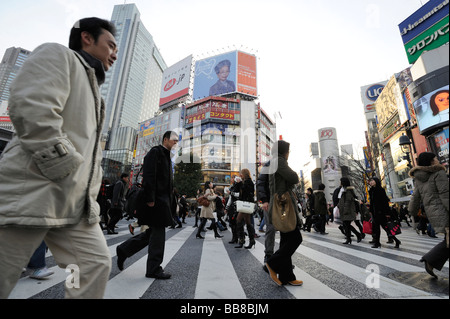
<point x="217" y="277"/>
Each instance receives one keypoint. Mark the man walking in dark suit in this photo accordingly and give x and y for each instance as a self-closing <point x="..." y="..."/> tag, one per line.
<point x="155" y="210"/>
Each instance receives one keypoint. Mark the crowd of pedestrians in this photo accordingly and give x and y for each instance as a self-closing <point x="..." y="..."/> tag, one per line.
<point x="36" y="214"/>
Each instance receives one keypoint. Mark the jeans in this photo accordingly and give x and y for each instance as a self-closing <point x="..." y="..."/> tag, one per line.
<point x="37" y="261"/>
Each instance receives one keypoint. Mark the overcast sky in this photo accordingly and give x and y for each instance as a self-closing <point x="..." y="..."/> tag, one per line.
<point x="313" y="56"/>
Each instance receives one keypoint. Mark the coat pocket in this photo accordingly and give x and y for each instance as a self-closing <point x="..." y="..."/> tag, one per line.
<point x="58" y="161"/>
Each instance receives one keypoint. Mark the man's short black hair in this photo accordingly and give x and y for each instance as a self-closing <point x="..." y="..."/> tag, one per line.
<point x="168" y="135"/>
<point x="93" y="26"/>
<point x="321" y="186"/>
<point x="124" y="175"/>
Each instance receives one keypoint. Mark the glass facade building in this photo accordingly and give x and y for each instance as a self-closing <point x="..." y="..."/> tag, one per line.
<point x="131" y="89"/>
<point x="10" y="65"/>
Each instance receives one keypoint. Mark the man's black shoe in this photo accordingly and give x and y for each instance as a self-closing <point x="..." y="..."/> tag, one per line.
<point x="161" y="275"/>
<point x="120" y="258"/>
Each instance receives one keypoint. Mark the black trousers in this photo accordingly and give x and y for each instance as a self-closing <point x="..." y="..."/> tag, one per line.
<point x="281" y="260"/>
<point x="155" y="238"/>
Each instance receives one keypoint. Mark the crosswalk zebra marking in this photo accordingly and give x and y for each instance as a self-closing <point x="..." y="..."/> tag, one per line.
<point x="218" y="279"/>
<point x="387" y="286"/>
<point x="385" y="249"/>
<point x="311" y="288"/>
<point x="131" y="283"/>
<point x="216" y="276"/>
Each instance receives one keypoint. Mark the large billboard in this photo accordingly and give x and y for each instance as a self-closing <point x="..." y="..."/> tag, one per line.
<point x="175" y="81"/>
<point x="425" y="29"/>
<point x="430" y="95"/>
<point x="232" y="72"/>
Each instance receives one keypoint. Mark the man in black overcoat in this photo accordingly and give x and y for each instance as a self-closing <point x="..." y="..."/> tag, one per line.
<point x="155" y="209"/>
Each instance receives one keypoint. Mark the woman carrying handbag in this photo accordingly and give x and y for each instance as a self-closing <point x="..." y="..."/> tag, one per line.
<point x="282" y="181"/>
<point x="381" y="212"/>
<point x="207" y="212"/>
<point x="244" y="218"/>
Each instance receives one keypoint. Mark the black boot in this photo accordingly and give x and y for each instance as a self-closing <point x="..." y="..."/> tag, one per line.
<point x="241" y="243"/>
<point x="200" y="228"/>
<point x="216" y="233"/>
<point x="397" y="242"/>
<point x="251" y="236"/>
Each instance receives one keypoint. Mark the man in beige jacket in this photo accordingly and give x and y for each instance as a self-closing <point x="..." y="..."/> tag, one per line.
<point x="50" y="172"/>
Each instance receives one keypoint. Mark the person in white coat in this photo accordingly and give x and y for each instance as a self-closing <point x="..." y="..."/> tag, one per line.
<point x="50" y="172"/>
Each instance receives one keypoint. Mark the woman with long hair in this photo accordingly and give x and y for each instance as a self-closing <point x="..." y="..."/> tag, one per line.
<point x="347" y="209"/>
<point x="248" y="195"/>
<point x="431" y="189"/>
<point x="207" y="211"/>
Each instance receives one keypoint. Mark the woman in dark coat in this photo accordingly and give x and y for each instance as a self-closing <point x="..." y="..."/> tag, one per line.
<point x="247" y="194"/>
<point x="283" y="180"/>
<point x="431" y="189"/>
<point x="381" y="212"/>
<point x="347" y="209"/>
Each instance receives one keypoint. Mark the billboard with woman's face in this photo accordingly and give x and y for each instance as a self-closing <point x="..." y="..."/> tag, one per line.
<point x="226" y="73"/>
<point x="430" y="96"/>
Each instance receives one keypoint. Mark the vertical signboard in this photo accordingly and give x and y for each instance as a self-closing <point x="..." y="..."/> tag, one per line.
<point x="247" y="74"/>
<point x="175" y="82"/>
<point x="426" y="29"/>
<point x="369" y="94"/>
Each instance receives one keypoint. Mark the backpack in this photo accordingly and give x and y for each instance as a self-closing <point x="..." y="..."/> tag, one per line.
<point x="203" y="201"/>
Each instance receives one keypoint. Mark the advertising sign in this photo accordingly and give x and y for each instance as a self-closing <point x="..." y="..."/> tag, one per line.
<point x="431" y="99"/>
<point x="247" y="74"/>
<point x="441" y="145"/>
<point x="147" y="128"/>
<point x="369" y="95"/>
<point x="390" y="102"/>
<point x="432" y="109"/>
<point x="224" y="74"/>
<point x="425" y="29"/>
<point x="218" y="110"/>
<point x="175" y="81"/>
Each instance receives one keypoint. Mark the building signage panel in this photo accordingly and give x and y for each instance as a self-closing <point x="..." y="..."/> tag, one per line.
<point x="232" y="72"/>
<point x="431" y="39"/>
<point x="175" y="81"/>
<point x="430" y="98"/>
<point x="425" y="29"/>
<point x="369" y="95"/>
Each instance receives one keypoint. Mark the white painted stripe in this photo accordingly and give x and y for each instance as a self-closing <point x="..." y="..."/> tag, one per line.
<point x="27" y="287"/>
<point x="400" y="266"/>
<point x="385" y="249"/>
<point x="131" y="283"/>
<point x="387" y="286"/>
<point x="216" y="276"/>
<point x="311" y="288"/>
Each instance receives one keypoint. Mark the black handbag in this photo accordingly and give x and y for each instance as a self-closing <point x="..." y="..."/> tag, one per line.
<point x="393" y="227"/>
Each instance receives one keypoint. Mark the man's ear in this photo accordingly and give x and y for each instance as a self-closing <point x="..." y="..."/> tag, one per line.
<point x="86" y="39"/>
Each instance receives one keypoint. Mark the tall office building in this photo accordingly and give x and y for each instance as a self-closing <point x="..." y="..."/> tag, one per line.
<point x="131" y="89"/>
<point x="9" y="67"/>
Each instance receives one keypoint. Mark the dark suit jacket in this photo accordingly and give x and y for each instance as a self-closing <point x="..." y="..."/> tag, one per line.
<point x="158" y="188"/>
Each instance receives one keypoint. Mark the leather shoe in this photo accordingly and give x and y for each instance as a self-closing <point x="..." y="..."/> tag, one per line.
<point x="160" y="275"/>
<point x="120" y="258"/>
<point x="295" y="283"/>
<point x="273" y="275"/>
